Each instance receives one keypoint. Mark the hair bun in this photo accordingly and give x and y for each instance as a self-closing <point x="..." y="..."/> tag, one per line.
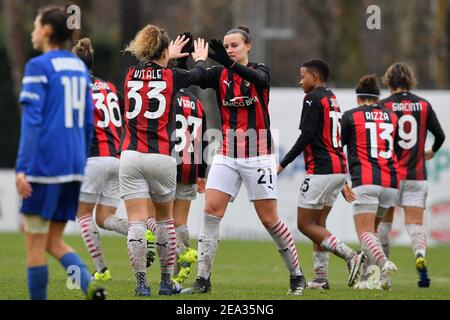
<point x="369" y="81"/>
<point x="245" y="28"/>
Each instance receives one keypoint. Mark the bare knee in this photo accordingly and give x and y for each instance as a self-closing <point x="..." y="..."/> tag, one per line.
<point x="214" y="208"/>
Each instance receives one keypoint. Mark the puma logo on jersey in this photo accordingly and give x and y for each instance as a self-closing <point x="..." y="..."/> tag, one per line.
<point x="135" y="240"/>
<point x="270" y="187"/>
<point x="309" y="102"/>
<point x="228" y="83"/>
<point x="162" y="244"/>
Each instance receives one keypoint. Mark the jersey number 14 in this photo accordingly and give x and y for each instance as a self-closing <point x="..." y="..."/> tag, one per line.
<point x="74" y="99"/>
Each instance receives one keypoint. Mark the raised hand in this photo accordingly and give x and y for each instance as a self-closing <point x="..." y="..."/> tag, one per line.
<point x="219" y="53"/>
<point x="176" y="47"/>
<point x="200" y="50"/>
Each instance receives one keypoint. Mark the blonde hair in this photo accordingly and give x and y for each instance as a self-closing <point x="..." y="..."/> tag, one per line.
<point x="400" y="76"/>
<point x="83" y="49"/>
<point x="149" y="43"/>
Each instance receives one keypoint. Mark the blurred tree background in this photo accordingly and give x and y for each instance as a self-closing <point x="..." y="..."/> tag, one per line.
<point x="285" y="33"/>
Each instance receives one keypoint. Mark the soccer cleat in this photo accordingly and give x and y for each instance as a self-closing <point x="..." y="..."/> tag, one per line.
<point x="319" y="284"/>
<point x="142" y="291"/>
<point x="96" y="291"/>
<point x="387" y="271"/>
<point x="185" y="261"/>
<point x="200" y="285"/>
<point x="168" y="288"/>
<point x="104" y="275"/>
<point x="354" y="268"/>
<point x="151" y="247"/>
<point x="421" y="267"/>
<point x="297" y="286"/>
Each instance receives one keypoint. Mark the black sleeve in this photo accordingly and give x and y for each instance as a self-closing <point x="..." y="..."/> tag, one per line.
<point x="210" y="78"/>
<point x="259" y="76"/>
<point x="346" y="128"/>
<point x="121" y="103"/>
<point x="302" y="142"/>
<point x="311" y="114"/>
<point x="202" y="167"/>
<point x="435" y="127"/>
<point x="190" y="77"/>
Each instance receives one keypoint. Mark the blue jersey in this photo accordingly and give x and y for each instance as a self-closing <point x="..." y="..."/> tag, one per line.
<point x="57" y="119"/>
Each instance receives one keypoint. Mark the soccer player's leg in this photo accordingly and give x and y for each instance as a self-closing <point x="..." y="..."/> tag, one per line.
<point x="91" y="238"/>
<point x="186" y="255"/>
<point x="36" y="234"/>
<point x="416" y="232"/>
<point x="222" y="186"/>
<point x="150" y="234"/>
<point x="384" y="229"/>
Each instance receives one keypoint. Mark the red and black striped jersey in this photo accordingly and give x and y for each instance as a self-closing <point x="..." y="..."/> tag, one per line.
<point x="322" y="116"/>
<point x="190" y="138"/>
<point x="415" y="118"/>
<point x="108" y="118"/>
<point x="370" y="134"/>
<point x="150" y="105"/>
<point x="242" y="95"/>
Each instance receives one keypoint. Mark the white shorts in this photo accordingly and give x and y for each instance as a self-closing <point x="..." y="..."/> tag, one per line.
<point x="186" y="191"/>
<point x="413" y="193"/>
<point x="374" y="199"/>
<point x="320" y="190"/>
<point x="101" y="182"/>
<point x="147" y="175"/>
<point x="259" y="175"/>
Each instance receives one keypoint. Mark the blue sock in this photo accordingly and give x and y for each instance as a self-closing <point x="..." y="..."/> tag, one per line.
<point x="37" y="282"/>
<point x="72" y="259"/>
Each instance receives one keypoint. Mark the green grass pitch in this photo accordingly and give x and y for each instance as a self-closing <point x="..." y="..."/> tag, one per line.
<point x="242" y="270"/>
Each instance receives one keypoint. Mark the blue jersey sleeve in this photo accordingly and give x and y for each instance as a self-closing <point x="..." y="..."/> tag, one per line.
<point x="32" y="98"/>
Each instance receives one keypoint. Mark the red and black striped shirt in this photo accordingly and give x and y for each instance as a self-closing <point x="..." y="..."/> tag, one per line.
<point x="191" y="140"/>
<point x="321" y="115"/>
<point x="150" y="105"/>
<point x="370" y="134"/>
<point x="415" y="118"/>
<point x="242" y="95"/>
<point x="108" y="118"/>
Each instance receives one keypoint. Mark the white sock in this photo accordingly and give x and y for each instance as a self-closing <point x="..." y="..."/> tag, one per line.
<point x="91" y="239"/>
<point x="286" y="247"/>
<point x="418" y="239"/>
<point x="372" y="248"/>
<point x="320" y="260"/>
<point x="114" y="223"/>
<point x="334" y="245"/>
<point x="151" y="225"/>
<point x="208" y="241"/>
<point x="137" y="246"/>
<point x="182" y="238"/>
<point x="384" y="229"/>
<point x="166" y="242"/>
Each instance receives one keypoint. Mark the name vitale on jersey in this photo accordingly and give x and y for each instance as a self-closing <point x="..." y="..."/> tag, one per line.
<point x="197" y="148"/>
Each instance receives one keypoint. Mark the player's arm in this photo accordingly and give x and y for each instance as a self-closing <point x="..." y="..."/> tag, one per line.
<point x="309" y="125"/>
<point x="345" y="128"/>
<point x="203" y="165"/>
<point x="439" y="136"/>
<point x="89" y="120"/>
<point x="196" y="74"/>
<point x="259" y="76"/>
<point x="32" y="98"/>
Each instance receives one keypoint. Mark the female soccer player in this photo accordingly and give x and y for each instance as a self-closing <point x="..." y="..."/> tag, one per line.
<point x="326" y="169"/>
<point x="369" y="132"/>
<point x="55" y="137"/>
<point x="191" y="169"/>
<point x="416" y="118"/>
<point x="242" y="91"/>
<point x="147" y="170"/>
<point x="100" y="186"/>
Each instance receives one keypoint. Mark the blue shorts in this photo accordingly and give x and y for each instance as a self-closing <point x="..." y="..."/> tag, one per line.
<point x="54" y="202"/>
